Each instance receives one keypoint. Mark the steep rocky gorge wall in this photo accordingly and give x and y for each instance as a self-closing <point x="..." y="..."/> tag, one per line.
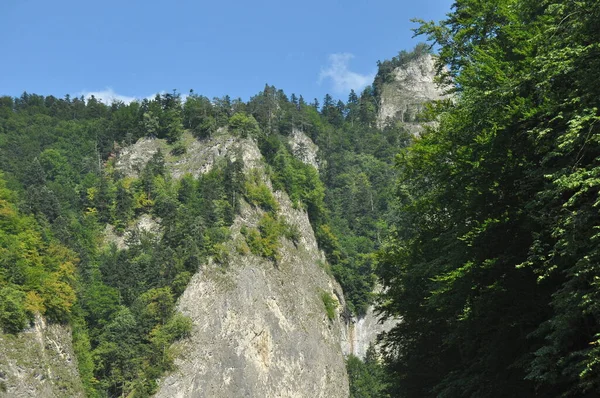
<point x="357" y="333"/>
<point x="39" y="362"/>
<point x="260" y="329"/>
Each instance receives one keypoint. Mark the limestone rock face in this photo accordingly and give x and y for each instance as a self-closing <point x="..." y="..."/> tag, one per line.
<point x="199" y="158"/>
<point x="39" y="362"/>
<point x="260" y="329"/>
<point x="363" y="331"/>
<point x="304" y="148"/>
<point x="404" y="97"/>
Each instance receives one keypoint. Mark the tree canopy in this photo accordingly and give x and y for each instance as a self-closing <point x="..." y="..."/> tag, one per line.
<point x="493" y="261"/>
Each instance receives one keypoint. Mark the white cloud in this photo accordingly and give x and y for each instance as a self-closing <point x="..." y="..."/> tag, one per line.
<point x="108" y="96"/>
<point x="342" y="78"/>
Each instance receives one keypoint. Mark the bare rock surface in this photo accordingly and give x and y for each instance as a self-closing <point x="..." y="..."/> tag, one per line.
<point x="260" y="328"/>
<point x="199" y="158"/>
<point x="39" y="362"/>
<point x="363" y="331"/>
<point x="304" y="148"/>
<point x="143" y="224"/>
<point x="403" y="98"/>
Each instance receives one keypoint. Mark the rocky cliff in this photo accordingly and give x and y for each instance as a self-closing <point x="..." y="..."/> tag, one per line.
<point x="362" y="332"/>
<point x="304" y="148"/>
<point x="260" y="328"/>
<point x="405" y="92"/>
<point x="39" y="362"/>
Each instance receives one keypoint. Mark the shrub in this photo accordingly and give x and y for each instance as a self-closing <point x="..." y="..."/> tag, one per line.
<point x="205" y="128"/>
<point x="260" y="195"/>
<point x="13" y="316"/>
<point x="220" y="253"/>
<point x="330" y="305"/>
<point x="291" y="232"/>
<point x="264" y="241"/>
<point x="178" y="148"/>
<point x="243" y="125"/>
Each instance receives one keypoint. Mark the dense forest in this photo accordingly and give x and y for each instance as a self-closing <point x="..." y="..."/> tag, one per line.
<point x="482" y="230"/>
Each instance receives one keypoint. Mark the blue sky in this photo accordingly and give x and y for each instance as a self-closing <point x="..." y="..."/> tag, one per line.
<point x="135" y="48"/>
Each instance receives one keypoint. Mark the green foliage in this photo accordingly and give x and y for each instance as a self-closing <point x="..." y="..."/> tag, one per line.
<point x="122" y="208"/>
<point x="301" y="182"/>
<point x="59" y="155"/>
<point x="330" y="304"/>
<point x="265" y="241"/>
<point x="83" y="351"/>
<point x="206" y="128"/>
<point x="491" y="265"/>
<point x="243" y="125"/>
<point x="350" y="197"/>
<point x="198" y="115"/>
<point x="149" y="276"/>
<point x="37" y="274"/>
<point x="367" y="378"/>
<point x="123" y="320"/>
<point x="259" y="194"/>
<point x="291" y="233"/>
<point x="13" y="316"/>
<point x="179" y="148"/>
<point x="162" y="117"/>
<point x="162" y="336"/>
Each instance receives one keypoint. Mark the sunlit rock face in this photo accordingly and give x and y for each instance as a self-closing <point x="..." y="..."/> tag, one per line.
<point x="403" y="98"/>
<point x="304" y="148"/>
<point x="362" y="332"/>
<point x="260" y="329"/>
<point x="39" y="362"/>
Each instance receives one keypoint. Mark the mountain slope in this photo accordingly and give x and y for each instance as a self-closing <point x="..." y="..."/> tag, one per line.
<point x="260" y="326"/>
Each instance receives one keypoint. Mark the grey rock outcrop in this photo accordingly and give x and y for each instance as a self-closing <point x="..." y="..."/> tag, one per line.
<point x="39" y="362"/>
<point x="143" y="224"/>
<point x="412" y="86"/>
<point x="362" y="332"/>
<point x="260" y="329"/>
<point x="199" y="158"/>
<point x="304" y="148"/>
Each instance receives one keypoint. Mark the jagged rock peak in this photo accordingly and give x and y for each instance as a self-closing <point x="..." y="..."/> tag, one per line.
<point x="404" y="92"/>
